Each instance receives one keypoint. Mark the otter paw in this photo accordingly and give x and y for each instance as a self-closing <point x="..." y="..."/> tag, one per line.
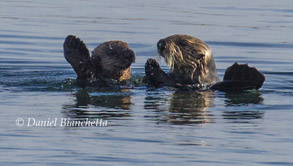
<point x="151" y="66"/>
<point x="73" y="44"/>
<point x="153" y="63"/>
<point x="155" y="76"/>
<point x="77" y="54"/>
<point x="244" y="73"/>
<point x="240" y="77"/>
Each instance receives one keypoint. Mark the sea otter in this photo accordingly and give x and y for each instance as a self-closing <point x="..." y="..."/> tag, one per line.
<point x="192" y="65"/>
<point x="110" y="61"/>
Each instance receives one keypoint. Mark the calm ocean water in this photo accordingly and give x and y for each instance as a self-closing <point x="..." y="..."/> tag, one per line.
<point x="145" y="126"/>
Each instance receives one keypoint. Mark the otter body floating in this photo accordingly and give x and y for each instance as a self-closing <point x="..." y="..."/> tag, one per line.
<point x="110" y="61"/>
<point x="192" y="65"/>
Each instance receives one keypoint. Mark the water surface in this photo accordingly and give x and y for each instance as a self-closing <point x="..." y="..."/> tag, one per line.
<point x="145" y="126"/>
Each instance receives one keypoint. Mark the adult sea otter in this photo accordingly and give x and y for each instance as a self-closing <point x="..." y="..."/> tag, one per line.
<point x="110" y="62"/>
<point x="192" y="65"/>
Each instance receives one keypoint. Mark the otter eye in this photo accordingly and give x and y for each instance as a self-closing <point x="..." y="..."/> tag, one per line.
<point x="161" y="45"/>
<point x="201" y="56"/>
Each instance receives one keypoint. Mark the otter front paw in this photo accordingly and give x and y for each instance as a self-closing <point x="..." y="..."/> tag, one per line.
<point x="155" y="76"/>
<point x="151" y="66"/>
<point x="77" y="54"/>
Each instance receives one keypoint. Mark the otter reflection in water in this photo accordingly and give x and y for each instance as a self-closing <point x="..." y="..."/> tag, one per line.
<point x="234" y="100"/>
<point x="103" y="104"/>
<point x="192" y="107"/>
<point x="181" y="107"/>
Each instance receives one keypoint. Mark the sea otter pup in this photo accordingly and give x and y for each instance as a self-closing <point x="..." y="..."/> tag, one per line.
<point x="192" y="65"/>
<point x="110" y="61"/>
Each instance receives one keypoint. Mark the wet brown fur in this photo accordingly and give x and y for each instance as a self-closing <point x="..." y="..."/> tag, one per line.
<point x="190" y="59"/>
<point x="109" y="60"/>
<point x="193" y="67"/>
<point x="113" y="60"/>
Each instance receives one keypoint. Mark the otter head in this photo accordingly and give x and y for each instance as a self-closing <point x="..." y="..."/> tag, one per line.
<point x="113" y="59"/>
<point x="190" y="59"/>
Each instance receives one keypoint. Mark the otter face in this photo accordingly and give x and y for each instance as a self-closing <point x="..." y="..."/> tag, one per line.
<point x="113" y="59"/>
<point x="117" y="57"/>
<point x="190" y="59"/>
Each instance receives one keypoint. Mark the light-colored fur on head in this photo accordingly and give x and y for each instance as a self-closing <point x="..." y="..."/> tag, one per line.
<point x="189" y="57"/>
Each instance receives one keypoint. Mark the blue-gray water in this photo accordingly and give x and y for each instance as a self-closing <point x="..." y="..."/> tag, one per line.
<point x="145" y="126"/>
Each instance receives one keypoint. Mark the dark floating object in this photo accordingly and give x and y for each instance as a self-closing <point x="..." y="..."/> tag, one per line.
<point x="240" y="77"/>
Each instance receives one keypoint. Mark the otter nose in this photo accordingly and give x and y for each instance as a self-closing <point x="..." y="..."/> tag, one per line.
<point x="161" y="45"/>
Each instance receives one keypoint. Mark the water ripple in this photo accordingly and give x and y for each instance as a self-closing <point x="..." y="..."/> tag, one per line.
<point x="251" y="44"/>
